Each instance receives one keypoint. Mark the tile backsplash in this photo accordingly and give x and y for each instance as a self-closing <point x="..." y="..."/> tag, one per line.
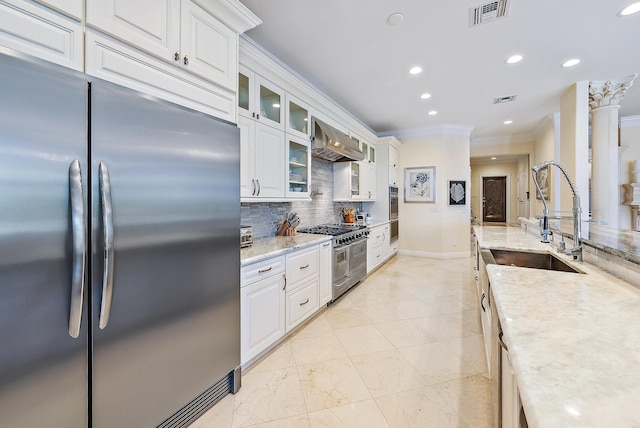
<point x="265" y="217"/>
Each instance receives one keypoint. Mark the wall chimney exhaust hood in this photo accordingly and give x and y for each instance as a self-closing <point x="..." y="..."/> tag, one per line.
<point x="330" y="144"/>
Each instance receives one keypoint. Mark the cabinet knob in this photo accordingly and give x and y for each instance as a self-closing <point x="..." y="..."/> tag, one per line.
<point x="258" y="116"/>
<point x="176" y="56"/>
<point x="186" y="60"/>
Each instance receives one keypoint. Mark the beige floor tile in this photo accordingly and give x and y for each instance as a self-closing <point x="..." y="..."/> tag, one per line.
<point x="331" y="384"/>
<point x="405" y="333"/>
<point x="470" y="349"/>
<point x="346" y="317"/>
<point x="316" y="326"/>
<point x="471" y="398"/>
<point x="323" y="346"/>
<point x="220" y="415"/>
<point x="299" y="421"/>
<point x="419" y="408"/>
<point x="279" y="358"/>
<point x="414" y="308"/>
<point x="363" y="340"/>
<point x="387" y="372"/>
<point x="361" y="414"/>
<point x="437" y="363"/>
<point x="381" y="312"/>
<point x="268" y="396"/>
<point x="450" y="326"/>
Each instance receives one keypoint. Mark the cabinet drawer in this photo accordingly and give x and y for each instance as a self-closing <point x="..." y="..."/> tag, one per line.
<point x="301" y="303"/>
<point x="378" y="235"/>
<point x="260" y="270"/>
<point x="302" y="265"/>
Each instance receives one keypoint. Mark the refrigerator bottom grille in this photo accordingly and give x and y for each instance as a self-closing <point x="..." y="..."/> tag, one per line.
<point x="199" y="405"/>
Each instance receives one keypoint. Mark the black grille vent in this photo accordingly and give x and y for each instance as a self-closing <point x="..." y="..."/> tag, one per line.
<point x="198" y="406"/>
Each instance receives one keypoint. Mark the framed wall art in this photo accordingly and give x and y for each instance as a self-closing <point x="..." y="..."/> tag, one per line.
<point x="543" y="180"/>
<point x="420" y="184"/>
<point x="457" y="192"/>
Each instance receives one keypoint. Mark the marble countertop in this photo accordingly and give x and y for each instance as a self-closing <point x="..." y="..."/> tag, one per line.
<point x="574" y="339"/>
<point x="265" y="248"/>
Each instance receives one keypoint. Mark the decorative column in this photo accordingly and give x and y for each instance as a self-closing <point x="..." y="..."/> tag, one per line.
<point x="604" y="102"/>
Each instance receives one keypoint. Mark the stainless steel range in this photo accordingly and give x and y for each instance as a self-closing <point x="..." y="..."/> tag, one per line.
<point x="349" y="254"/>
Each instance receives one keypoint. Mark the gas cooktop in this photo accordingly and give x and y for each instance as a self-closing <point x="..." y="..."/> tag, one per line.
<point x="334" y="229"/>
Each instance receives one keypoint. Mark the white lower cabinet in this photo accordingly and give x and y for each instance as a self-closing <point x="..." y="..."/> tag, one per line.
<point x="279" y="293"/>
<point x="38" y="31"/>
<point x="301" y="302"/>
<point x="378" y="246"/>
<point x="262" y="306"/>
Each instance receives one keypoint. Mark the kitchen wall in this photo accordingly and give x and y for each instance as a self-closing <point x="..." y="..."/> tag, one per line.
<point x="266" y="217"/>
<point x="436" y="230"/>
<point x="630" y="151"/>
<point x="508" y="169"/>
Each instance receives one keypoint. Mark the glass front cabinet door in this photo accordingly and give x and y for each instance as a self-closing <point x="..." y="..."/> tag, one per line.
<point x="259" y="99"/>
<point x="299" y="162"/>
<point x="298" y="117"/>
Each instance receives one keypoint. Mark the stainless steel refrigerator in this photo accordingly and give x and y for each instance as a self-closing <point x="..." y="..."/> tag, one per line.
<point x="119" y="254"/>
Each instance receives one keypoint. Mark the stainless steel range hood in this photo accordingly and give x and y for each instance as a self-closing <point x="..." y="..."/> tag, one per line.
<point x="330" y="144"/>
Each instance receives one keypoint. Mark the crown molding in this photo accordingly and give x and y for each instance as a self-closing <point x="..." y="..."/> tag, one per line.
<point x="258" y="59"/>
<point x="446" y="129"/>
<point x="507" y="139"/>
<point x="630" y="122"/>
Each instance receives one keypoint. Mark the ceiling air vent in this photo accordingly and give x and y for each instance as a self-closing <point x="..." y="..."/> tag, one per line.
<point x="488" y="12"/>
<point x="502" y="100"/>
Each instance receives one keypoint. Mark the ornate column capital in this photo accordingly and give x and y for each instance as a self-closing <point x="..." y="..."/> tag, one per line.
<point x="608" y="93"/>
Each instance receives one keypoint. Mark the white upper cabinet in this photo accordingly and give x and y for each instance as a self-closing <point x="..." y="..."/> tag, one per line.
<point x="150" y="25"/>
<point x="41" y="32"/>
<point x="71" y="8"/>
<point x="260" y="99"/>
<point x="209" y="48"/>
<point x="298" y="117"/>
<point x="177" y="31"/>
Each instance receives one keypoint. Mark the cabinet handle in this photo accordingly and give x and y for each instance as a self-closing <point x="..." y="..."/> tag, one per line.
<point x="258" y="116"/>
<point x="305" y="266"/>
<point x="254" y="187"/>
<point x="305" y="302"/>
<point x="265" y="270"/>
<point x="285" y="282"/>
<point x="176" y="56"/>
<point x="258" y="182"/>
<point x="186" y="60"/>
<point x="477" y="278"/>
<point x="253" y="114"/>
<point x="327" y="244"/>
<point x="504" y="345"/>
<point x="481" y="303"/>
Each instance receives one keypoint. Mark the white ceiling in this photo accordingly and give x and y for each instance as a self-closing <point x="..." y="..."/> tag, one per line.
<point x="348" y="50"/>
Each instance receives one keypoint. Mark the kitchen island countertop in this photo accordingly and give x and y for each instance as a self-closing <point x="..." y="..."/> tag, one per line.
<point x="265" y="248"/>
<point x="573" y="339"/>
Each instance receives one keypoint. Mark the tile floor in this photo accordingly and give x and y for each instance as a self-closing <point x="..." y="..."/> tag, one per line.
<point x="402" y="349"/>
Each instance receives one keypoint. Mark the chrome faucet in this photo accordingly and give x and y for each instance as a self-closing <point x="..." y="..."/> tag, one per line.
<point x="545" y="231"/>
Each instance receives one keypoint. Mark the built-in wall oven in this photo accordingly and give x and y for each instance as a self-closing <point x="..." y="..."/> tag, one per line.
<point x="393" y="212"/>
<point x="349" y="264"/>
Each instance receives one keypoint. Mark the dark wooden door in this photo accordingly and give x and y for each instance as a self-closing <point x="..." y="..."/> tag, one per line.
<point x="494" y="196"/>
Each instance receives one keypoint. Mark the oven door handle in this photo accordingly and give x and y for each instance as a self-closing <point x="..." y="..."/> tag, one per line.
<point x="339" y="247"/>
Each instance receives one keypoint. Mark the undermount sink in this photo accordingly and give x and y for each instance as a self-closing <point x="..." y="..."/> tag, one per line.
<point x="531" y="260"/>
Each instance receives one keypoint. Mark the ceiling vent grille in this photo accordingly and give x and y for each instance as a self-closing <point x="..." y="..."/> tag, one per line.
<point x="506" y="99"/>
<point x="488" y="12"/>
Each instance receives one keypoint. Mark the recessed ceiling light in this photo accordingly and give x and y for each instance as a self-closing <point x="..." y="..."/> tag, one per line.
<point x="570" y="62"/>
<point x="630" y="10"/>
<point x="513" y="59"/>
<point x="415" y="70"/>
<point x="425" y="96"/>
<point x="508" y="122"/>
<point x="433" y="113"/>
<point x="395" y="18"/>
<point x="493" y="158"/>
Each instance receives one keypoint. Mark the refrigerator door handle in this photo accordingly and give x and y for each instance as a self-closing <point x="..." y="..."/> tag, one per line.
<point x="107" y="231"/>
<point x="78" y="238"/>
